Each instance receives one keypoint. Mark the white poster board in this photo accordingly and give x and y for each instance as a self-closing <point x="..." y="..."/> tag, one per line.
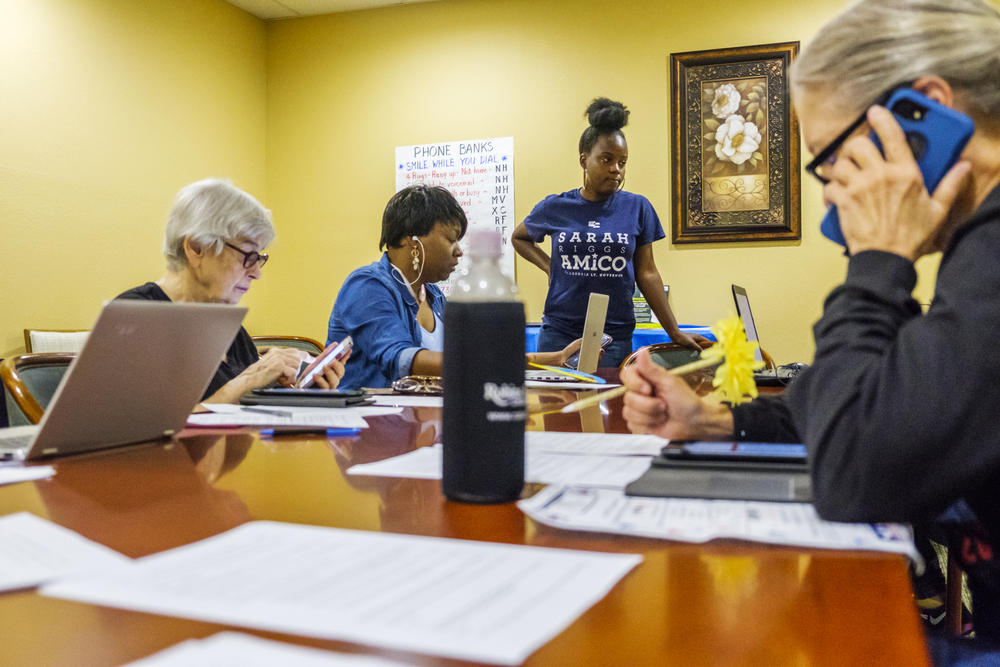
<point x="479" y="173"/>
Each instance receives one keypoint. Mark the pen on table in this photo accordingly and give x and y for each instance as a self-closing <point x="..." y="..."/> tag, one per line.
<point x="296" y="430"/>
<point x="268" y="411"/>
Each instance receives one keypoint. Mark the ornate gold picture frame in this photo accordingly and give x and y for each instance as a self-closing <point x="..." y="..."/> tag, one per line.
<point x="734" y="145"/>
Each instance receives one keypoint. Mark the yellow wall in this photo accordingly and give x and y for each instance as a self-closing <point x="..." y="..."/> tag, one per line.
<point x="345" y="89"/>
<point x="110" y="106"/>
<point x="107" y="108"/>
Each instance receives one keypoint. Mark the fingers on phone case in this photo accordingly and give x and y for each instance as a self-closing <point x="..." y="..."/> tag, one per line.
<point x="936" y="135"/>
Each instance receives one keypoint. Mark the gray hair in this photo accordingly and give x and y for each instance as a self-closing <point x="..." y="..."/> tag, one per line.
<point x="211" y="212"/>
<point x="876" y="45"/>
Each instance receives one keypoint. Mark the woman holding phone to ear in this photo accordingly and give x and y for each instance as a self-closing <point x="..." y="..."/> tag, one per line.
<point x="392" y="308"/>
<point x="898" y="409"/>
<point x="602" y="240"/>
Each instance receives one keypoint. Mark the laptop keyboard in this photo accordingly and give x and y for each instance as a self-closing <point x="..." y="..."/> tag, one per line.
<point x="15" y="440"/>
<point x="775" y="377"/>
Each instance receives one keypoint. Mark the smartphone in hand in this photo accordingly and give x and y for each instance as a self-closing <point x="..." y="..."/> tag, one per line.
<point x="574" y="359"/>
<point x="333" y="351"/>
<point x="937" y="135"/>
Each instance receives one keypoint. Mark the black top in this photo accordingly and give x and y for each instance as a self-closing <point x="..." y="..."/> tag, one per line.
<point x="765" y="419"/>
<point x="241" y="353"/>
<point x="899" y="408"/>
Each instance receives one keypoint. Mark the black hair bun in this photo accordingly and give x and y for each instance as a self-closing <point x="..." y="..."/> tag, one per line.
<point x="606" y="115"/>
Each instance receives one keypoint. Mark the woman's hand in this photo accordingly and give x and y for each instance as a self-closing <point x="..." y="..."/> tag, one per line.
<point x="663" y="404"/>
<point x="277" y="364"/>
<point x="882" y="201"/>
<point x="557" y="358"/>
<point x="332" y="374"/>
<point x="693" y="341"/>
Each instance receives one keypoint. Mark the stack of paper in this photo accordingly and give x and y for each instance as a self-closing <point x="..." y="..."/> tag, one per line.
<point x="467" y="600"/>
<point x="688" y="520"/>
<point x="596" y="459"/>
<point x="223" y="415"/>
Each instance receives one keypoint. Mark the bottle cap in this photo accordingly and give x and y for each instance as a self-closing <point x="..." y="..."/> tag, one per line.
<point x="484" y="243"/>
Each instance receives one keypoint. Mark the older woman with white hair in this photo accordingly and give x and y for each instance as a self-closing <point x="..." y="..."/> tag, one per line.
<point x="898" y="407"/>
<point x="214" y="243"/>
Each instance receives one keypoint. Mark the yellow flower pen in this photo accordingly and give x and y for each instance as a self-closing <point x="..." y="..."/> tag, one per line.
<point x="733" y="353"/>
<point x="734" y="377"/>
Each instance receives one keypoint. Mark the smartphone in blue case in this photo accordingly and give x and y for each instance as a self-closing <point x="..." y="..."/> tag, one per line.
<point x="937" y="135"/>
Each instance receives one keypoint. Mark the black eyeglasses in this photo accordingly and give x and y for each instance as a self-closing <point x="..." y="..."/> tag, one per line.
<point x="251" y="258"/>
<point x="823" y="158"/>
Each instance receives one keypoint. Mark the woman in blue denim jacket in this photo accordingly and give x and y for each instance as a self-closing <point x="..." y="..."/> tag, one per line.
<point x="392" y="308"/>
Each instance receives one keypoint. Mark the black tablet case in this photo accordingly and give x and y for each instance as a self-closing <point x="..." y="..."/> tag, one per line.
<point x="724" y="480"/>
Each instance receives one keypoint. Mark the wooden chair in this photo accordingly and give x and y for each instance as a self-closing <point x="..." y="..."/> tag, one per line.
<point x="671" y="355"/>
<point x="668" y="355"/>
<point x="54" y="340"/>
<point x="310" y="345"/>
<point x="953" y="595"/>
<point x="30" y="380"/>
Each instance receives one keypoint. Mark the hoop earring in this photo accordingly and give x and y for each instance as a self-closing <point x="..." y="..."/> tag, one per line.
<point x="621" y="185"/>
<point x="585" y="179"/>
<point x="416" y="263"/>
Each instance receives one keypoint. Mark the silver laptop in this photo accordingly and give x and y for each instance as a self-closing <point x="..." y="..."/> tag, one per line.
<point x="143" y="368"/>
<point x="776" y="376"/>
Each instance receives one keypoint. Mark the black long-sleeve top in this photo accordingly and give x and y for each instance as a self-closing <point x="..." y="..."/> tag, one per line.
<point x="900" y="410"/>
<point x="241" y="354"/>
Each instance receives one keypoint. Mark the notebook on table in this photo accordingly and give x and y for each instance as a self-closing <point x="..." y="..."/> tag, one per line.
<point x="779" y="376"/>
<point x="143" y="368"/>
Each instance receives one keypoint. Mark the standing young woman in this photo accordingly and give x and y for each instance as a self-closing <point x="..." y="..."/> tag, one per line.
<point x="602" y="240"/>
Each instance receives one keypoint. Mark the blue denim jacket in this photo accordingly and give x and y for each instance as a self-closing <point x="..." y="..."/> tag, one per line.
<point x="377" y="310"/>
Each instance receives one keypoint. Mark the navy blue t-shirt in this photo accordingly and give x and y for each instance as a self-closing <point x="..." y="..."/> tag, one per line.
<point x="593" y="244"/>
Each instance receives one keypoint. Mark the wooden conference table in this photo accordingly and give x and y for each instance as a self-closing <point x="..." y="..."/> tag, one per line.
<point x="723" y="603"/>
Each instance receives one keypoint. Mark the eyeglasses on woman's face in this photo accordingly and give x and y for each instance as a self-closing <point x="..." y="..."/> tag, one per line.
<point x="250" y="259"/>
<point x="826" y="158"/>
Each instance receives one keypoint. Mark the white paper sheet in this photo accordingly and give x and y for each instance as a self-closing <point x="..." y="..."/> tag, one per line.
<point x="235" y="649"/>
<point x="539" y="466"/>
<point x="409" y="400"/>
<point x="34" y="550"/>
<point x="14" y="472"/>
<point x="692" y="520"/>
<point x="461" y="599"/>
<point x="617" y="444"/>
<point x="360" y="410"/>
<point x="268" y="415"/>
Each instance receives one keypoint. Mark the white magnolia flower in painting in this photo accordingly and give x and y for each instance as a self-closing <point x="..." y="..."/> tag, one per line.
<point x="736" y="140"/>
<point x="726" y="101"/>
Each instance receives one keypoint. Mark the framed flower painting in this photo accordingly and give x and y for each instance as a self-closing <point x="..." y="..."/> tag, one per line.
<point x="735" y="145"/>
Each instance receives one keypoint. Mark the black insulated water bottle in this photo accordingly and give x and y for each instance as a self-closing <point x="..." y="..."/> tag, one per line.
<point x="484" y="401"/>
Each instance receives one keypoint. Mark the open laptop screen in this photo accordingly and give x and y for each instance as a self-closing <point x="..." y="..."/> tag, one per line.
<point x="743" y="308"/>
